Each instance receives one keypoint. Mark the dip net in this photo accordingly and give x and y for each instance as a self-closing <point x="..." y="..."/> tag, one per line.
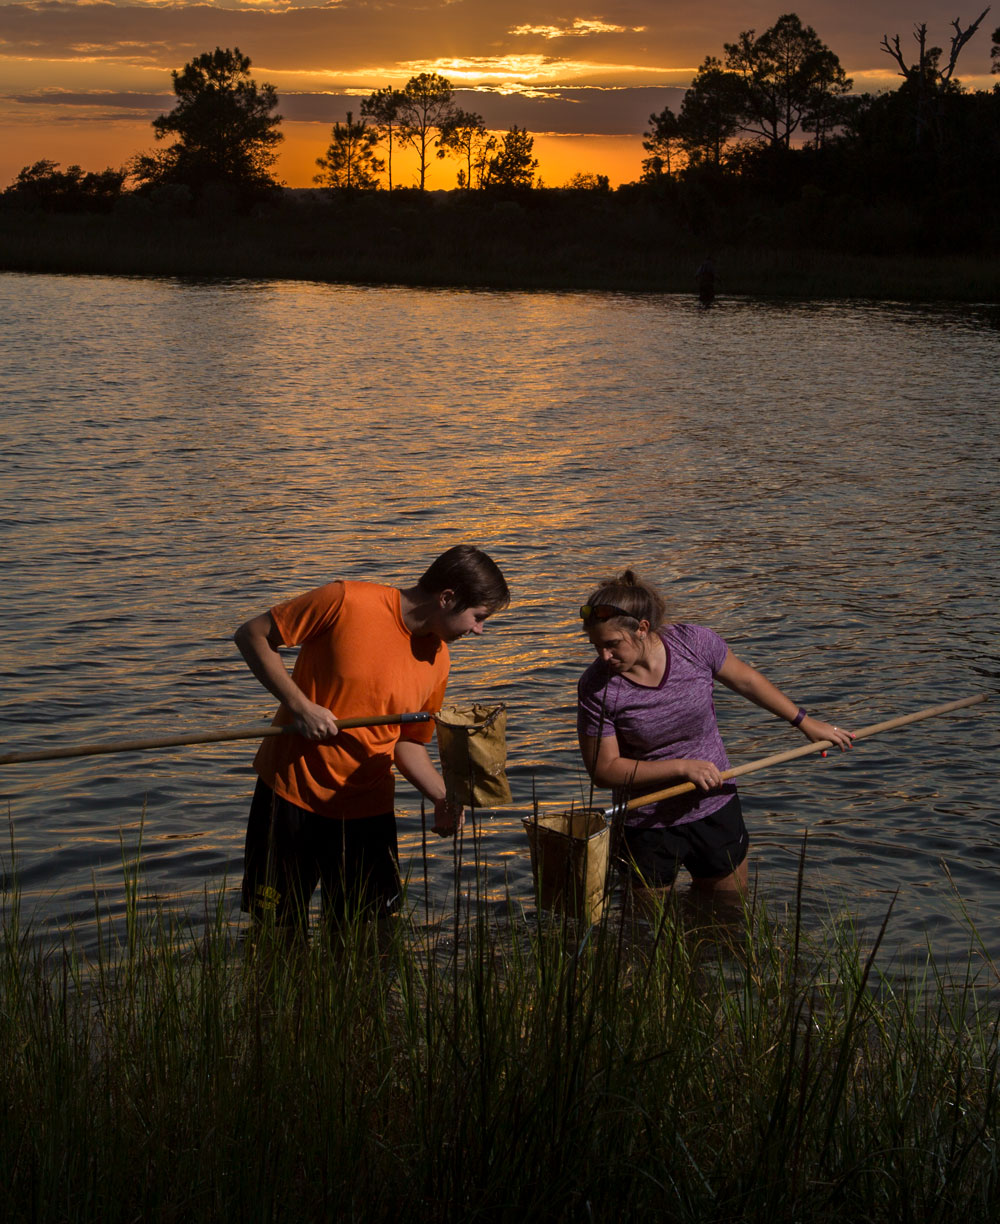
<point x="472" y="747"/>
<point x="569" y="861"/>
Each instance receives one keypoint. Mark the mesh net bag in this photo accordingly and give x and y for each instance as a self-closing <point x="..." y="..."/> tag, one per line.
<point x="472" y="748"/>
<point x="569" y="860"/>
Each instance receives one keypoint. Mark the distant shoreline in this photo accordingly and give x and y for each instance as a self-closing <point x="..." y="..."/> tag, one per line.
<point x="508" y="246"/>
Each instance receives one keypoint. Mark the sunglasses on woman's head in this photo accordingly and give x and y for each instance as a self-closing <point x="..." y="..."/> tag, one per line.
<point x="602" y="612"/>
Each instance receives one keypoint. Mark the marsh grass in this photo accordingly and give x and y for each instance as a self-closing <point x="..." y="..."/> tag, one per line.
<point x="468" y="1067"/>
<point x="544" y="244"/>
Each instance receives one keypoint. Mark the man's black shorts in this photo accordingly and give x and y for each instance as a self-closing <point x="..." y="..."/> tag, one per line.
<point x="709" y="848"/>
<point x="290" y="850"/>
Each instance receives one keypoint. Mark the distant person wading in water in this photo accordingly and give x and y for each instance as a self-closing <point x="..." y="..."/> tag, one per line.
<point x="705" y="276"/>
<point x="646" y="721"/>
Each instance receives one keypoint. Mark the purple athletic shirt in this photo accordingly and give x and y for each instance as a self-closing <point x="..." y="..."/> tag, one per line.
<point x="674" y="720"/>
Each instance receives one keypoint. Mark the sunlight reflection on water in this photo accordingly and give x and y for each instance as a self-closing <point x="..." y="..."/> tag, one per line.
<point x="816" y="481"/>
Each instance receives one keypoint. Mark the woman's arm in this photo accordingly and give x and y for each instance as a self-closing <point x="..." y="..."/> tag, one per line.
<point x="749" y="683"/>
<point x="605" y="764"/>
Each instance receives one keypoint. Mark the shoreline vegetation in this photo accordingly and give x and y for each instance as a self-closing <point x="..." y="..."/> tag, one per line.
<point x="794" y="185"/>
<point x="772" y="167"/>
<point x="473" y="1067"/>
<point x="543" y="240"/>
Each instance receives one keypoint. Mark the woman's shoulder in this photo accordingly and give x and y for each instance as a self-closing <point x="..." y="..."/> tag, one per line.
<point x="697" y="640"/>
<point x="686" y="631"/>
<point x="594" y="679"/>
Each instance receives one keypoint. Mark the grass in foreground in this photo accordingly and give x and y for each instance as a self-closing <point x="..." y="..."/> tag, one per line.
<point x="529" y="1077"/>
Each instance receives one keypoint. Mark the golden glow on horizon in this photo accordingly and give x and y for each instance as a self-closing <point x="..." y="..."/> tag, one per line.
<point x="94" y="146"/>
<point x="538" y="68"/>
<point x="559" y="158"/>
<point x="506" y="74"/>
<point x="97" y="145"/>
<point x="503" y="74"/>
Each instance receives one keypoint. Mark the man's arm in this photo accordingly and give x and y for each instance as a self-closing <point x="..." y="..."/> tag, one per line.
<point x="414" y="762"/>
<point x="258" y="641"/>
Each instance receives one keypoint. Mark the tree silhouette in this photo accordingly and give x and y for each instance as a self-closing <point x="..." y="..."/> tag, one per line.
<point x="350" y="163"/>
<point x="464" y="135"/>
<point x="789" y="76"/>
<point x="43" y="185"/>
<point x="584" y="180"/>
<point x="425" y="104"/>
<point x="662" y="142"/>
<point x="925" y="82"/>
<point x="513" y="166"/>
<point x="382" y="108"/>
<point x="711" y="113"/>
<point x="225" y="130"/>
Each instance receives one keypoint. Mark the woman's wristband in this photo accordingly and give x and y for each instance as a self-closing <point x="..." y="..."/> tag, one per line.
<point x="798" y="717"/>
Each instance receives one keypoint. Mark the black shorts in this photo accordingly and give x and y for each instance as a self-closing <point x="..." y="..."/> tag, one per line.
<point x="290" y="850"/>
<point x="709" y="848"/>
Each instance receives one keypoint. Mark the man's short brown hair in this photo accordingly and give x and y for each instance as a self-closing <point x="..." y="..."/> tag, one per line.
<point x="472" y="575"/>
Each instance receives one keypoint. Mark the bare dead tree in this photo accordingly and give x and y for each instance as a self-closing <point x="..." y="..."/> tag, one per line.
<point x="927" y="62"/>
<point x="959" y="39"/>
<point x="925" y="76"/>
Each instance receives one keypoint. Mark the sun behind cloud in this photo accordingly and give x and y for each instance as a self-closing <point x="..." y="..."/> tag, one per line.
<point x="536" y="69"/>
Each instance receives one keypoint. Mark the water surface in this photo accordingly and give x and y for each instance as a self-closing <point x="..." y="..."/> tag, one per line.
<point x="815" y="481"/>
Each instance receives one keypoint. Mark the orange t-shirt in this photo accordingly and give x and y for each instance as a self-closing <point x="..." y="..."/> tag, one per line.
<point x="356" y="657"/>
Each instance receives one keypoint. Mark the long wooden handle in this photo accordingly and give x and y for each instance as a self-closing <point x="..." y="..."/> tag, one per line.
<point x="682" y="788"/>
<point x="212" y="737"/>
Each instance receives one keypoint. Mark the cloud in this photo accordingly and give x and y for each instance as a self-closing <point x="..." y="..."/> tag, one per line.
<point x="103" y="98"/>
<point x="517" y="48"/>
<point x="536" y="70"/>
<point x="595" y="112"/>
<point x="579" y="27"/>
<point x="599" y="112"/>
<point x="344" y="36"/>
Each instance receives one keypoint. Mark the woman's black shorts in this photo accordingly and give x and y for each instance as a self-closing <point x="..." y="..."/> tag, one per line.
<point x="709" y="848"/>
<point x="290" y="850"/>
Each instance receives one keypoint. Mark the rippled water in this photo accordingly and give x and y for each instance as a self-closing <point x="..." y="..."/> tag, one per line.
<point x="815" y="481"/>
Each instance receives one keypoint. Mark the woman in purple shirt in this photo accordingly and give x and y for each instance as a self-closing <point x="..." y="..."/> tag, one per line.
<point x="646" y="721"/>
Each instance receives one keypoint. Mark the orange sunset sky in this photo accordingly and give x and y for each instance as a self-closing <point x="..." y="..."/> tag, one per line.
<point x="81" y="80"/>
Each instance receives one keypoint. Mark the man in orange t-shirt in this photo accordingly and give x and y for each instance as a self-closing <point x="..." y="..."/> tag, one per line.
<point x="322" y="812"/>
